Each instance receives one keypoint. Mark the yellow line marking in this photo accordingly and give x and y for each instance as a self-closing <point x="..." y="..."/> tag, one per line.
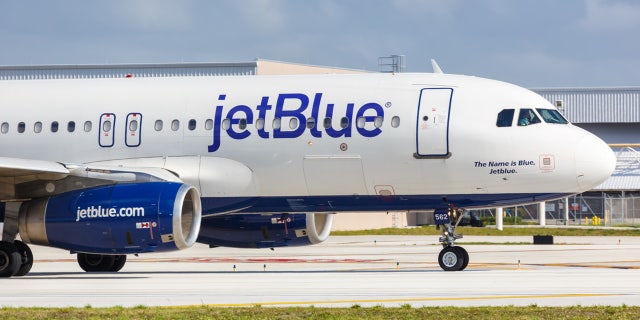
<point x="405" y="300"/>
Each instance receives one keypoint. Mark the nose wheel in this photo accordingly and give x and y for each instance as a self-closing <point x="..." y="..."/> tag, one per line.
<point x="451" y="257"/>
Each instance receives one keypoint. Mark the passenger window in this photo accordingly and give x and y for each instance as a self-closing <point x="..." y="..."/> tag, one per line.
<point x="87" y="126"/>
<point x="133" y="125"/>
<point x="158" y="125"/>
<point x="54" y="126"/>
<point x="395" y="122"/>
<point x="260" y="124"/>
<point x="378" y="122"/>
<point x="106" y="126"/>
<point x="208" y="124"/>
<point x="552" y="116"/>
<point x="293" y="123"/>
<point x="311" y="122"/>
<point x="21" y="127"/>
<point x="276" y="123"/>
<point x="344" y="122"/>
<point x="226" y="124"/>
<point x="327" y="123"/>
<point x="37" y="127"/>
<point x="175" y="125"/>
<point x="505" y="118"/>
<point x="71" y="126"/>
<point x="242" y="124"/>
<point x="192" y="124"/>
<point x="527" y="117"/>
<point x="360" y="122"/>
<point x="5" y="127"/>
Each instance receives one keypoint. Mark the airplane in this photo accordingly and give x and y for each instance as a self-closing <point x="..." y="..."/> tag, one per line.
<point x="110" y="167"/>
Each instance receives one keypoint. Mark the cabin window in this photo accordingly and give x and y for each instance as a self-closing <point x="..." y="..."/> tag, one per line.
<point x="87" y="126"/>
<point x="175" y="125"/>
<point x="378" y="122"/>
<point x="260" y="124"/>
<point x="242" y="124"/>
<point x="208" y="124"/>
<point x="311" y="122"/>
<point x="106" y="126"/>
<point x="54" y="126"/>
<point x="21" y="127"/>
<point x="360" y="122"/>
<point x="5" y="127"/>
<point x="505" y="118"/>
<point x="37" y="127"/>
<point x="276" y="123"/>
<point x="71" y="126"/>
<point x="552" y="116"/>
<point x="327" y="123"/>
<point x="344" y="122"/>
<point x="192" y="124"/>
<point x="226" y="124"/>
<point x="293" y="123"/>
<point x="395" y="122"/>
<point x="527" y="117"/>
<point x="133" y="125"/>
<point x="158" y="125"/>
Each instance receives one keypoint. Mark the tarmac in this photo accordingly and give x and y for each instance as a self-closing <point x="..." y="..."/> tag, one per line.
<point x="346" y="271"/>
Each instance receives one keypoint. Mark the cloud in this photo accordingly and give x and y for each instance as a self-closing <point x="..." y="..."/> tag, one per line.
<point x="611" y="15"/>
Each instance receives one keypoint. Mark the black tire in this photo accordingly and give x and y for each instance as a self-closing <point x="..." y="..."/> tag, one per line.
<point x="465" y="257"/>
<point x="450" y="259"/>
<point x="90" y="262"/>
<point x="26" y="258"/>
<point x="119" y="262"/>
<point x="10" y="260"/>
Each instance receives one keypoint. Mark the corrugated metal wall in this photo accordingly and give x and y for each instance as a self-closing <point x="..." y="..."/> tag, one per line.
<point x="121" y="71"/>
<point x="597" y="105"/>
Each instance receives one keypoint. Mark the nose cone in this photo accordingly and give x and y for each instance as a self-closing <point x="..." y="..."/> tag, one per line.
<point x="595" y="162"/>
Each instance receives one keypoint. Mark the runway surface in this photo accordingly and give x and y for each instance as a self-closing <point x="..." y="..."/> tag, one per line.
<point x="344" y="271"/>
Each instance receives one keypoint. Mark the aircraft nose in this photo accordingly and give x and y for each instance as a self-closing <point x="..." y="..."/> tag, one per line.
<point x="595" y="162"/>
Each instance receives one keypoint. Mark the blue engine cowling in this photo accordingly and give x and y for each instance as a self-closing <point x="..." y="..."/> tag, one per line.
<point x="116" y="219"/>
<point x="265" y="230"/>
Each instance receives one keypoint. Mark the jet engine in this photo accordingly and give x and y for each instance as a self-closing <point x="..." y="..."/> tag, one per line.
<point x="116" y="219"/>
<point x="265" y="230"/>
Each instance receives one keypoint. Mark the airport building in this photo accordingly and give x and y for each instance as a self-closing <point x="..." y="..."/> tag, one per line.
<point x="613" y="114"/>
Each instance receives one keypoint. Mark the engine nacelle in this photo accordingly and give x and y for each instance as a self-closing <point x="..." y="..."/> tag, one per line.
<point x="116" y="219"/>
<point x="265" y="230"/>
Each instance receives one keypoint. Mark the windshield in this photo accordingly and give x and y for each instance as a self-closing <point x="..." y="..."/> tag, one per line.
<point x="552" y="116"/>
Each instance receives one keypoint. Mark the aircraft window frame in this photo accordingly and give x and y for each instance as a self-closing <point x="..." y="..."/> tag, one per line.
<point x="106" y="126"/>
<point x="208" y="124"/>
<point x="293" y="123"/>
<point x="22" y="127"/>
<point x="88" y="125"/>
<point x="505" y="118"/>
<point x="55" y="126"/>
<point x="360" y="122"/>
<point x="378" y="121"/>
<point x="527" y="117"/>
<point x="344" y="122"/>
<point x="552" y="116"/>
<point x="37" y="127"/>
<point x="175" y="125"/>
<point x="226" y="124"/>
<point x="4" y="128"/>
<point x="242" y="123"/>
<point x="276" y="124"/>
<point x="71" y="126"/>
<point x="158" y="125"/>
<point x="395" y="121"/>
<point x="192" y="124"/>
<point x="133" y="125"/>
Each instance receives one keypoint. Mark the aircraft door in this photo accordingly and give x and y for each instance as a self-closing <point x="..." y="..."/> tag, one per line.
<point x="106" y="130"/>
<point x="432" y="129"/>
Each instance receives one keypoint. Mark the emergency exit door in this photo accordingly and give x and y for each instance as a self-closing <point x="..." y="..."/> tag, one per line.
<point x="432" y="129"/>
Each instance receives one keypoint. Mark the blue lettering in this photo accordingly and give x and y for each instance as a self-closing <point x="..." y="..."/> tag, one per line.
<point x="296" y="113"/>
<point x="289" y="106"/>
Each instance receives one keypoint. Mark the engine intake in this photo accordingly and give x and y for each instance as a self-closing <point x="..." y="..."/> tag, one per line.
<point x="115" y="219"/>
<point x="265" y="230"/>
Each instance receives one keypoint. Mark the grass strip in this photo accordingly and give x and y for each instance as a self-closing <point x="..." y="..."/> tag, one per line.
<point x="470" y="231"/>
<point x="355" y="312"/>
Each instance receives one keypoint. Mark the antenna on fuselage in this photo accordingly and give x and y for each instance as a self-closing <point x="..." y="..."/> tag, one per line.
<point x="435" y="66"/>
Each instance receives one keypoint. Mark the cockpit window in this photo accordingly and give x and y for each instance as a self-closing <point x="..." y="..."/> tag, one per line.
<point x="552" y="116"/>
<point x="527" y="117"/>
<point x="505" y="118"/>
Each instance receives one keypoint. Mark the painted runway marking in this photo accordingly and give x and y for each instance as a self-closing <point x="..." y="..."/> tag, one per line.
<point x="406" y="300"/>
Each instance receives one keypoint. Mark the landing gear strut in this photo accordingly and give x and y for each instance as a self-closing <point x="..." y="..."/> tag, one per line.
<point x="451" y="258"/>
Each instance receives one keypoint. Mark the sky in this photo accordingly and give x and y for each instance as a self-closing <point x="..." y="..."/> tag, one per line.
<point x="533" y="43"/>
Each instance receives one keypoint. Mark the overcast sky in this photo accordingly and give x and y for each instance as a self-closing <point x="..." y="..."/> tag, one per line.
<point x="534" y="43"/>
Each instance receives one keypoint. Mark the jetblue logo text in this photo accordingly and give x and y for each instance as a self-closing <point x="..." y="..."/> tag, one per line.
<point x="287" y="107"/>
<point x="94" y="212"/>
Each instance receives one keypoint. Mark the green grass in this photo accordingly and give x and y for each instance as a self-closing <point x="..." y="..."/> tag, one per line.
<point x="470" y="231"/>
<point x="354" y="312"/>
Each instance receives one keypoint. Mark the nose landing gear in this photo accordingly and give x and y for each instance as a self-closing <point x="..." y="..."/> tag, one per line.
<point x="451" y="258"/>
